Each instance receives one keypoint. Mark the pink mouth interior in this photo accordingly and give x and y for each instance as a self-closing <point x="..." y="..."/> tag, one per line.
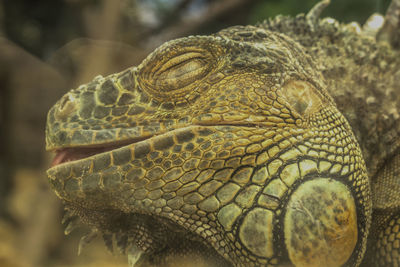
<point x="71" y="154"/>
<point x="64" y="155"/>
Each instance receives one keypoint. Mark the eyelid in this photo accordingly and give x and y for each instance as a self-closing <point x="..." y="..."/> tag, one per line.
<point x="177" y="71"/>
<point x="179" y="60"/>
<point x="182" y="74"/>
<point x="189" y="67"/>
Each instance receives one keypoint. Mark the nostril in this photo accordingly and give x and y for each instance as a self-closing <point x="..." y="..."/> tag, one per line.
<point x="64" y="102"/>
<point x="66" y="106"/>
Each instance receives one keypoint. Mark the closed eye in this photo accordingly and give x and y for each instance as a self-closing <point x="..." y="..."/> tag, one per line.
<point x="180" y="71"/>
<point x="174" y="71"/>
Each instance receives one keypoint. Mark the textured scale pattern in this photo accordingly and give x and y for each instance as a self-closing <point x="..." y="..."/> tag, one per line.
<point x="388" y="246"/>
<point x="238" y="149"/>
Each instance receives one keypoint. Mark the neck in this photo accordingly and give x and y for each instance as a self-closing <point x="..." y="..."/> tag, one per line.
<point x="362" y="76"/>
<point x="367" y="98"/>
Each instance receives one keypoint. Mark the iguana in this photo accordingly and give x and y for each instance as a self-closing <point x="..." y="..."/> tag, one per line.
<point x="267" y="145"/>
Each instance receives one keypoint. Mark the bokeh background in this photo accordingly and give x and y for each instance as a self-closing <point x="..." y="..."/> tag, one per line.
<point x="50" y="46"/>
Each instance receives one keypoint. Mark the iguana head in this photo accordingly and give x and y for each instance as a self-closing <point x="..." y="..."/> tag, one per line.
<point x="228" y="141"/>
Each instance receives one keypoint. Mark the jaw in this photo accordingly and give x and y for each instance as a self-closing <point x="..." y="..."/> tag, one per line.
<point x="102" y="186"/>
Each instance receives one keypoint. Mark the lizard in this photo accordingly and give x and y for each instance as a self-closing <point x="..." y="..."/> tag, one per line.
<point x="268" y="145"/>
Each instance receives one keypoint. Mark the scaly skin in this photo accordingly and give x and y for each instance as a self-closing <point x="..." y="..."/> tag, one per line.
<point x="230" y="148"/>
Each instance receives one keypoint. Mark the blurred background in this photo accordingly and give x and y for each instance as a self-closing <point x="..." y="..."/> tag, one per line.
<point x="50" y="46"/>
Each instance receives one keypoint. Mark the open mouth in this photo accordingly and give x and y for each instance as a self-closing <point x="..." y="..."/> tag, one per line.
<point x="69" y="154"/>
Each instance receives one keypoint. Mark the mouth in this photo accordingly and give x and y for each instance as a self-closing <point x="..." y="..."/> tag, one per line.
<point x="71" y="154"/>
